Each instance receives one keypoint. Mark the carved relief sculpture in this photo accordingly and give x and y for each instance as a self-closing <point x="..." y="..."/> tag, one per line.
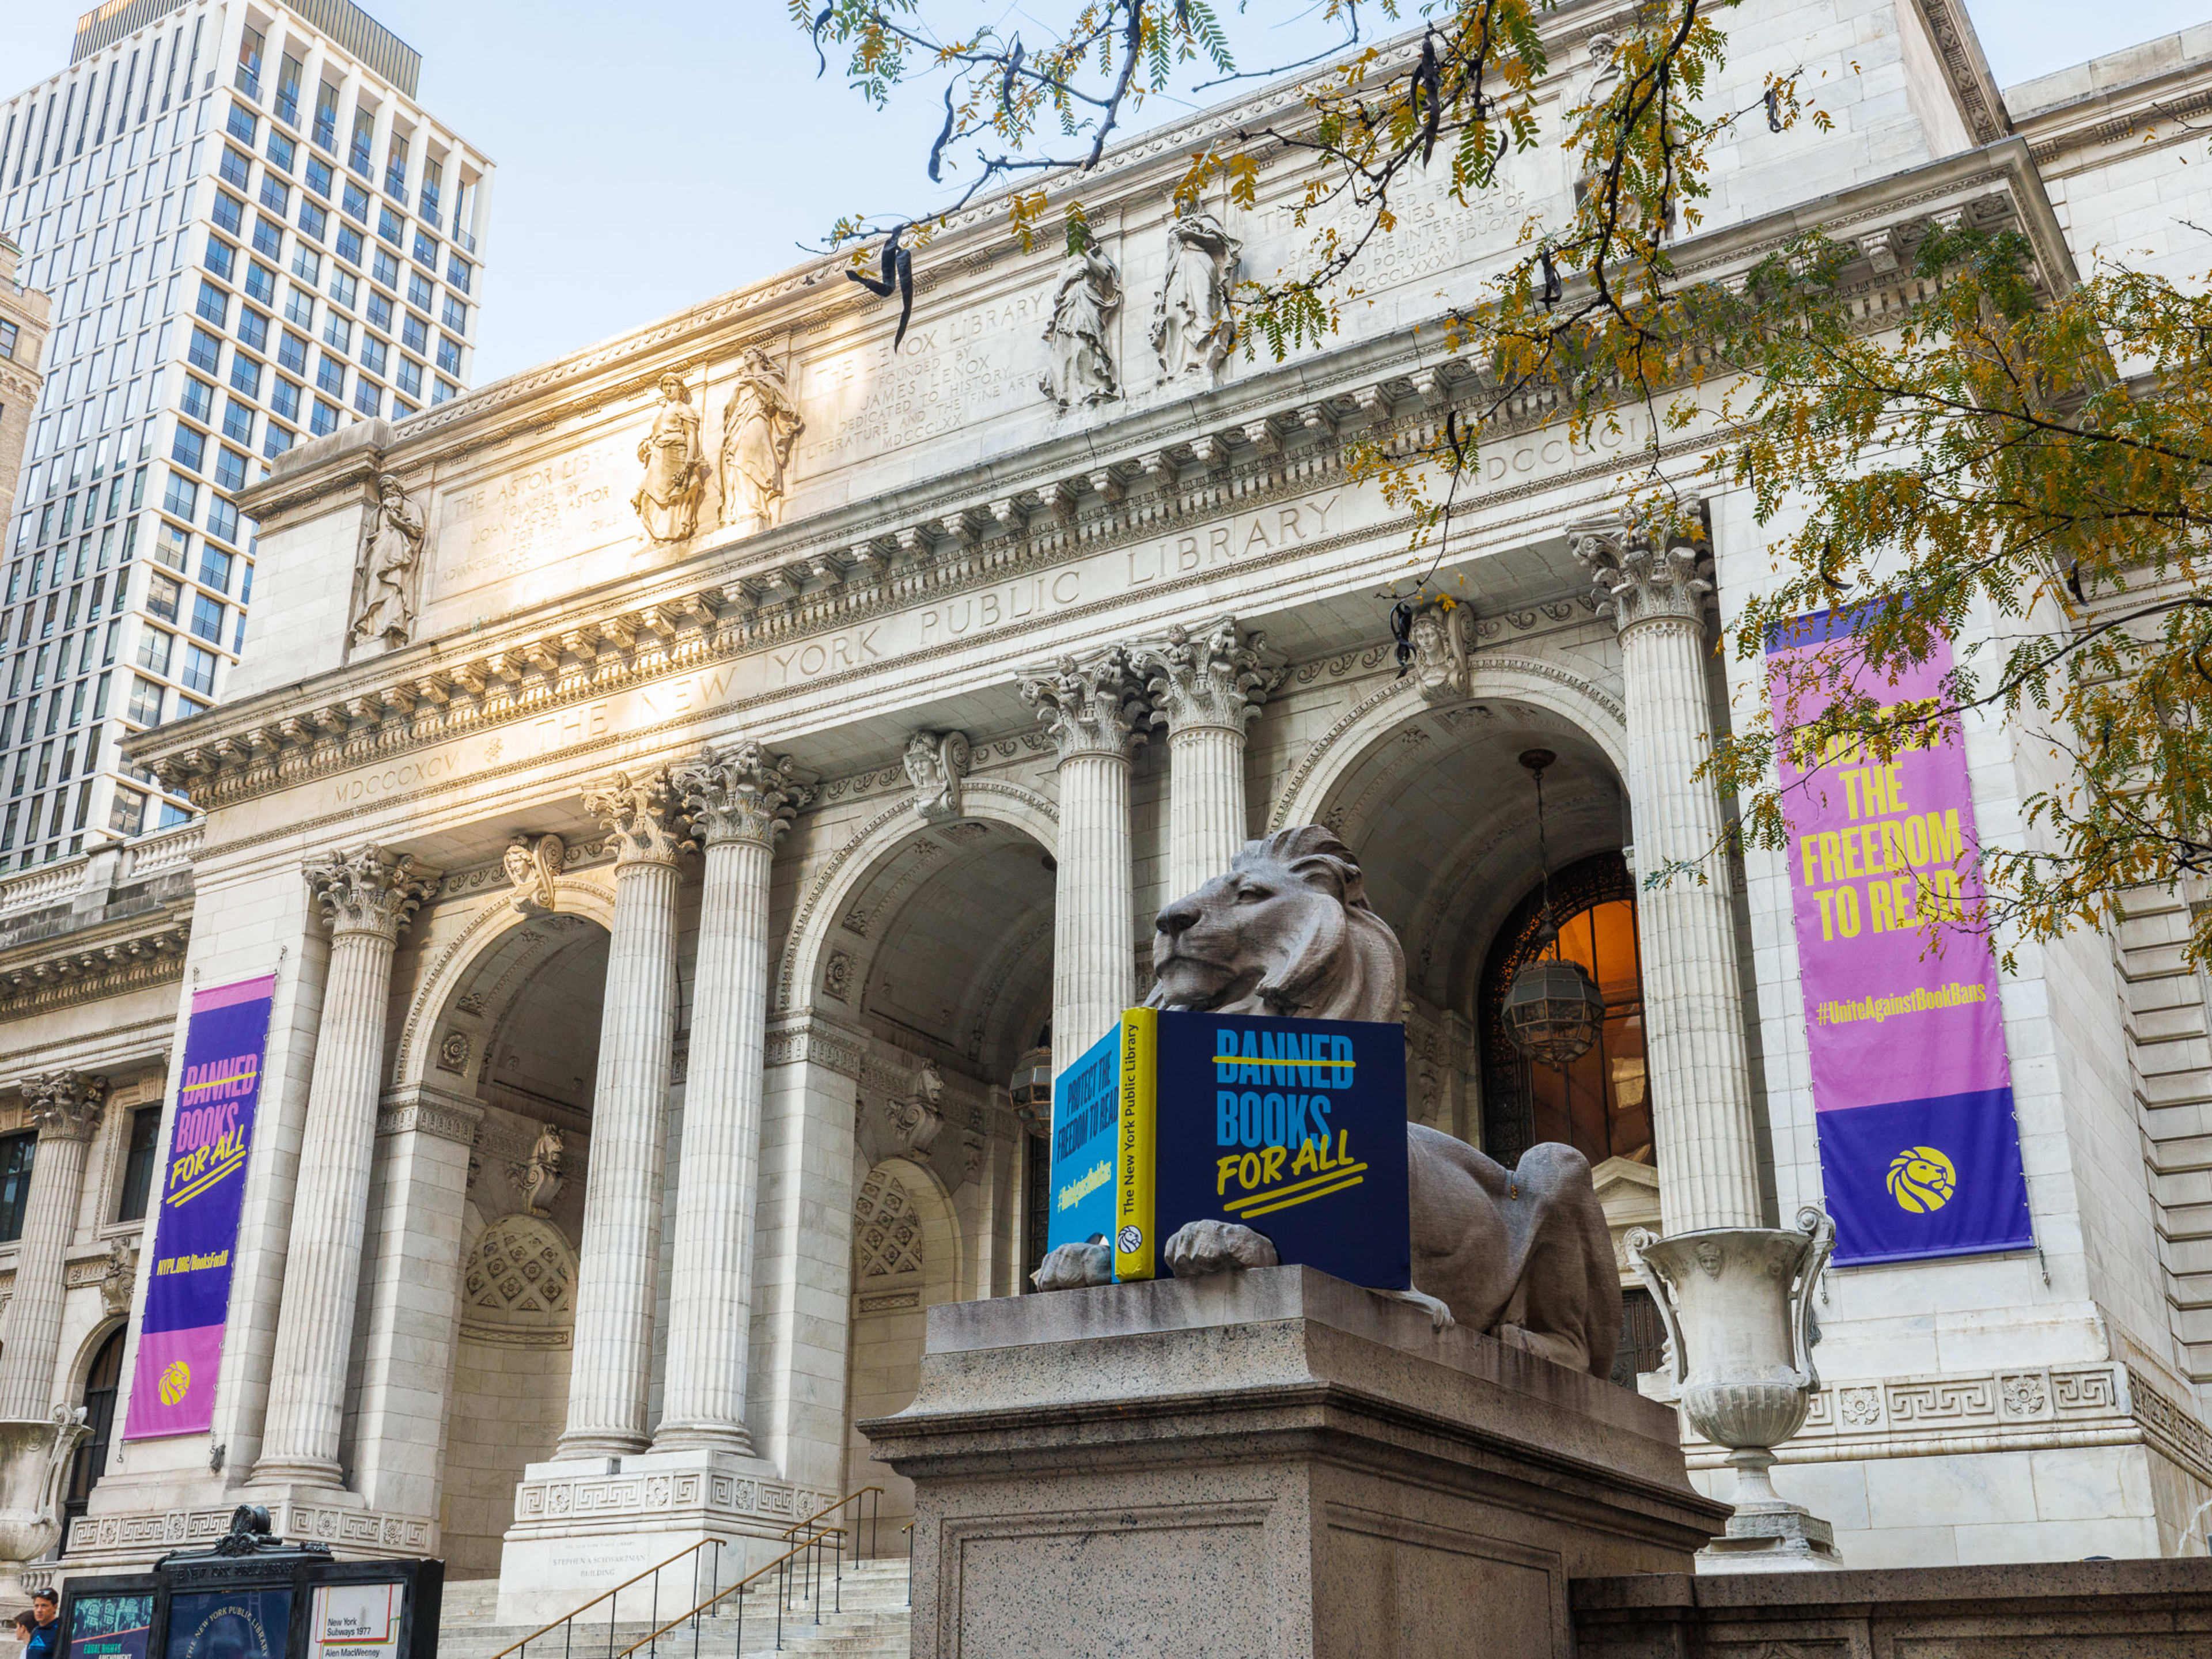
<point x="1078" y="349"/>
<point x="675" y="481"/>
<point x="541" y="1177"/>
<point x="1522" y="1255"/>
<point x="916" y="1118"/>
<point x="1438" y="636"/>
<point x="936" y="761"/>
<point x="391" y="555"/>
<point x="1192" y="328"/>
<point x="120" y="1276"/>
<point x="533" y="864"/>
<point x="760" y="427"/>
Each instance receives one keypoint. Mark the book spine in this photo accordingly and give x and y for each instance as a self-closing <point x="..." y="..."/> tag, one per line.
<point x="1135" y="1251"/>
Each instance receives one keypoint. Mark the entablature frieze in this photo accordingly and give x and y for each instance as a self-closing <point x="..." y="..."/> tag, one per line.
<point x="811" y="599"/>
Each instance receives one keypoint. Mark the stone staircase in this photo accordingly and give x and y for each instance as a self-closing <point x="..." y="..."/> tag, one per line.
<point x="865" y="1617"/>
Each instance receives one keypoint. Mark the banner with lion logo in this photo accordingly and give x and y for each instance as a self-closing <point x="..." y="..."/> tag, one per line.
<point x="1911" y="1086"/>
<point x="180" y="1328"/>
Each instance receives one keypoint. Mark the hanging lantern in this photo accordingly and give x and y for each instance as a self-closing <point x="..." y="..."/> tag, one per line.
<point x="1553" y="1010"/>
<point x="1032" y="1090"/>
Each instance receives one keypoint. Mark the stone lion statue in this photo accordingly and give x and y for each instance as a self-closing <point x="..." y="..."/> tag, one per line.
<point x="1521" y="1254"/>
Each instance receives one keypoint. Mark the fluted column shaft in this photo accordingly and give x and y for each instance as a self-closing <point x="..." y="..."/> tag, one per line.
<point x="1699" y="1075"/>
<point x="1206" y="689"/>
<point x="610" y="1366"/>
<point x="367" y="898"/>
<point x="741" y="801"/>
<point x="1092" y="901"/>
<point x="1206" y="804"/>
<point x="65" y="1106"/>
<point x="1092" y="709"/>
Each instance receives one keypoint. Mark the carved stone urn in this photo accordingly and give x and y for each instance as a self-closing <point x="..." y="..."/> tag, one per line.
<point x="1737" y="1303"/>
<point x="34" y="1457"/>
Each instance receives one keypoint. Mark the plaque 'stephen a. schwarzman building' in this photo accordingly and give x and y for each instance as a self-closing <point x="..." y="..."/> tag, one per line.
<point x="670" y="801"/>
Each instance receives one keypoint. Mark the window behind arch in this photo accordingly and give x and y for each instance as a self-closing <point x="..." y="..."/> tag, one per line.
<point x="90" y="1461"/>
<point x="1598" y="1105"/>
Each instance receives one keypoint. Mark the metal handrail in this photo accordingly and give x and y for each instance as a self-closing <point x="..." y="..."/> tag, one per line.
<point x="809" y="1542"/>
<point x="852" y="1496"/>
<point x="571" y="1617"/>
<point x="653" y="1572"/>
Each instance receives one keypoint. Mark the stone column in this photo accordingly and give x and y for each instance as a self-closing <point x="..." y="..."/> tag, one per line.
<point x="1204" y="691"/>
<point x="367" y="898"/>
<point x="65" y="1108"/>
<point x="1700" y="1080"/>
<point x="740" y="801"/>
<point x="612" y="1361"/>
<point x="411" y="1318"/>
<point x="1092" y="709"/>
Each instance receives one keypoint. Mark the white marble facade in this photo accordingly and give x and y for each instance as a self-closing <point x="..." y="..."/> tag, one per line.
<point x="614" y="1143"/>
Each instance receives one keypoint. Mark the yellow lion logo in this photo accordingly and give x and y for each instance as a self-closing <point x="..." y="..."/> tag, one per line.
<point x="1921" y="1179"/>
<point x="176" y="1382"/>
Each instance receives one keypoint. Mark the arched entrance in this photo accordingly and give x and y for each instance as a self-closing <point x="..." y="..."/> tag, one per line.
<point x="98" y="1399"/>
<point x="1598" y="1103"/>
<point x="520" y="1032"/>
<point x="937" y="954"/>
<point x="905" y="1254"/>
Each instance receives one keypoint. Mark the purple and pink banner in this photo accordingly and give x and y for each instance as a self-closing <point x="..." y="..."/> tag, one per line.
<point x="1912" y="1088"/>
<point x="203" y="1191"/>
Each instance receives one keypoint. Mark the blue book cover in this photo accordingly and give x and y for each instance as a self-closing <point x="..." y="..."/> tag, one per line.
<point x="1293" y="1127"/>
<point x="1085" y="1113"/>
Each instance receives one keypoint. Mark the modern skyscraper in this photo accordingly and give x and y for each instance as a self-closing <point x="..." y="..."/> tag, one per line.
<point x="252" y="234"/>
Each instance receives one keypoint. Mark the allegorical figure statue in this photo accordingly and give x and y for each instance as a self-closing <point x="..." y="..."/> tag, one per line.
<point x="1192" y="328"/>
<point x="760" y="427"/>
<point x="668" y="496"/>
<point x="385" y="605"/>
<point x="1078" y="352"/>
<point x="1521" y="1254"/>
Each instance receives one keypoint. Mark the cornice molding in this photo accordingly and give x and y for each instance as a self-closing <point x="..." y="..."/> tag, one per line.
<point x="33" y="982"/>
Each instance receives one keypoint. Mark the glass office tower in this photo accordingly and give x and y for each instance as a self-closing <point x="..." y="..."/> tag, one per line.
<point x="252" y="235"/>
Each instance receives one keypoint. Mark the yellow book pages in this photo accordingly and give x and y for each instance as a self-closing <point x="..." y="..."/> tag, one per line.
<point x="1135" y="1251"/>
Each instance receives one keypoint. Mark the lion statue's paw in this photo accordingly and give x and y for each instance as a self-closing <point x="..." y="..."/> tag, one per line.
<point x="1440" y="1316"/>
<point x="1200" y="1247"/>
<point x="1072" y="1266"/>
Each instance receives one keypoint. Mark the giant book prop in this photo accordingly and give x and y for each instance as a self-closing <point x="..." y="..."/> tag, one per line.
<point x="1293" y="1127"/>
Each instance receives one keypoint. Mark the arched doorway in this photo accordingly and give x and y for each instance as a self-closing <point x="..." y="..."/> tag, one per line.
<point x="1599" y="1103"/>
<point x="938" y="954"/>
<point x="90" y="1461"/>
<point x="521" y="1033"/>
<point x="904" y="1255"/>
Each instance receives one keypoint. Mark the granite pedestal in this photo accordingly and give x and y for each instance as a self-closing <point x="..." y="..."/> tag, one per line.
<point x="2094" y="1609"/>
<point x="1272" y="1464"/>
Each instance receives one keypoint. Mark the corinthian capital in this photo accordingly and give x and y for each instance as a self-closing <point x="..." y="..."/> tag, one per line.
<point x="1642" y="574"/>
<point x="1091" y="708"/>
<point x="637" y="811"/>
<point x="64" y="1105"/>
<point x="1213" y="679"/>
<point x="370" y="891"/>
<point x="741" y="794"/>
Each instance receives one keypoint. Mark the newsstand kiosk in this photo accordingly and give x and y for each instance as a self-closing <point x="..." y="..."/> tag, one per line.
<point x="253" y="1596"/>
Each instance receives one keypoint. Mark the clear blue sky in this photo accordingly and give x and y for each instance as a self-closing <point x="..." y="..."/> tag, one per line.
<point x="655" y="154"/>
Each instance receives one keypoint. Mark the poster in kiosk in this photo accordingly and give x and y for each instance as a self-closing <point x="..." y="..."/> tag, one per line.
<point x="1293" y="1127"/>
<point x="254" y="1596"/>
